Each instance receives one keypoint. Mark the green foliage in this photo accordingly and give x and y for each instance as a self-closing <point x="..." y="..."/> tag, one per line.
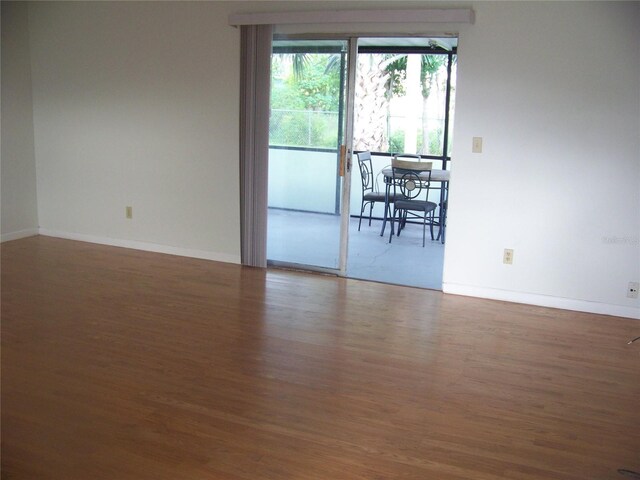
<point x="430" y="66"/>
<point x="435" y="142"/>
<point x="319" y="88"/>
<point x="305" y="93"/>
<point x="397" y="69"/>
<point x="283" y="97"/>
<point x="310" y="83"/>
<point x="396" y="141"/>
<point x="303" y="128"/>
<point x="306" y="87"/>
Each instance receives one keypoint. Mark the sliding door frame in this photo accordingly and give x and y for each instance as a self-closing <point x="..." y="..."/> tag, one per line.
<point x="345" y="141"/>
<point x="348" y="143"/>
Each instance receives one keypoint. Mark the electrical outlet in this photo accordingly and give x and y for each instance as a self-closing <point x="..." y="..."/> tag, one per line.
<point x="129" y="212"/>
<point x="632" y="290"/>
<point x="507" y="257"/>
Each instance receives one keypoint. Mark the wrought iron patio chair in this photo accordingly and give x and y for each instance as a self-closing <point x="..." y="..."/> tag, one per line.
<point x="370" y="192"/>
<point x="411" y="182"/>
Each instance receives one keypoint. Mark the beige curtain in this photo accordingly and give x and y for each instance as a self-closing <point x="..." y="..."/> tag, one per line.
<point x="255" y="74"/>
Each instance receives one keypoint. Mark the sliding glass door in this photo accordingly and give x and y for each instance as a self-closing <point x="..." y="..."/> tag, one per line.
<point x="404" y="102"/>
<point x="331" y="98"/>
<point x="309" y="154"/>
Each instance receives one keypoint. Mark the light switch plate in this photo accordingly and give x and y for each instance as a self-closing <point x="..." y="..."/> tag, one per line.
<point x="476" y="146"/>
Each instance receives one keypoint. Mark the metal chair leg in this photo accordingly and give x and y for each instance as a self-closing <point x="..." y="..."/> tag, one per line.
<point x="443" y="224"/>
<point x="424" y="228"/>
<point x="387" y="210"/>
<point x="402" y="220"/>
<point x="361" y="212"/>
<point x="431" y="224"/>
<point x="392" y="225"/>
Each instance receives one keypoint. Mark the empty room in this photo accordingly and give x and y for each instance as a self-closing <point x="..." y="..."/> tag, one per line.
<point x="168" y="314"/>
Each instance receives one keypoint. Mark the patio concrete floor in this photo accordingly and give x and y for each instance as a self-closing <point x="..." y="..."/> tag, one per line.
<point x="313" y="239"/>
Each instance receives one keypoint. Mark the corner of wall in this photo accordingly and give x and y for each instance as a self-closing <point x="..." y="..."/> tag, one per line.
<point x="18" y="190"/>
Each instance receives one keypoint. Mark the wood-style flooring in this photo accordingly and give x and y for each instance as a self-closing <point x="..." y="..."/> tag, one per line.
<point x="120" y="364"/>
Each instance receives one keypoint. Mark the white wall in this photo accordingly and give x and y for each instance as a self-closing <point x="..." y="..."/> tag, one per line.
<point x="136" y="103"/>
<point x="18" y="171"/>
<point x="554" y="90"/>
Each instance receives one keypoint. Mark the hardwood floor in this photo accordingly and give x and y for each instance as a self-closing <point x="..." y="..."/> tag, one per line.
<point x="121" y="364"/>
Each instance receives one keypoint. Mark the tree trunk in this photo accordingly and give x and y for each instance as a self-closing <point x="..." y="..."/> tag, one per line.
<point x="424" y="150"/>
<point x="413" y="104"/>
<point x="371" y="105"/>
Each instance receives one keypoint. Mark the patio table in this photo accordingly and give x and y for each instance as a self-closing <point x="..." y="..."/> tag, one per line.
<point x="440" y="176"/>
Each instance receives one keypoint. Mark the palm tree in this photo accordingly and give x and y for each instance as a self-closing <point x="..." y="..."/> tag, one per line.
<point x="379" y="78"/>
<point x="372" y="103"/>
<point x="431" y="66"/>
<point x="415" y="77"/>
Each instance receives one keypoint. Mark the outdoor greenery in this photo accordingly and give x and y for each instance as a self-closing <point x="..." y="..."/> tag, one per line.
<point x="396" y="142"/>
<point x="304" y="101"/>
<point x="303" y="128"/>
<point x="305" y="93"/>
<point x="316" y="87"/>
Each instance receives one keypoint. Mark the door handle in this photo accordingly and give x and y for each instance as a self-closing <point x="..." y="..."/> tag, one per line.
<point x="343" y="154"/>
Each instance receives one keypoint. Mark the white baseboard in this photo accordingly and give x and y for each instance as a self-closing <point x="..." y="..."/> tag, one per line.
<point x="146" y="246"/>
<point x="450" y="288"/>
<point x="29" y="232"/>
<point x="542" y="300"/>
